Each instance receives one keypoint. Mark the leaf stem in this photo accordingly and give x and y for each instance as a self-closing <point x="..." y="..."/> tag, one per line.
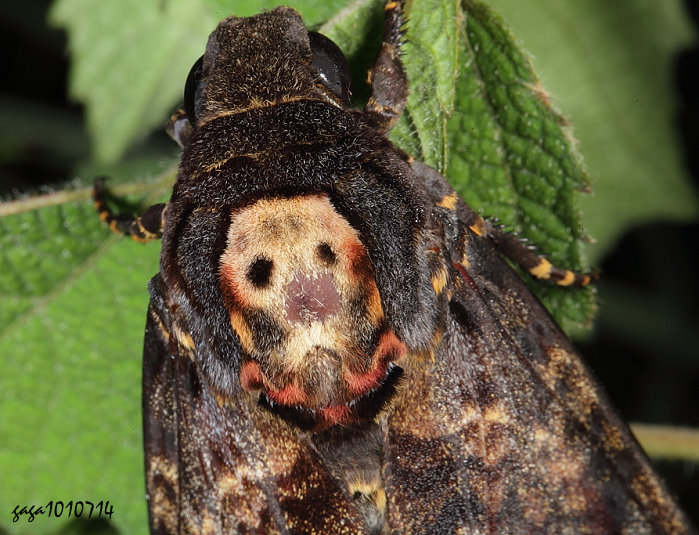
<point x="55" y="198"/>
<point x="668" y="442"/>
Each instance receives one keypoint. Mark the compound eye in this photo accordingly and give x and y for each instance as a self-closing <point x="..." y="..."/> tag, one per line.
<point x="192" y="92"/>
<point x="331" y="65"/>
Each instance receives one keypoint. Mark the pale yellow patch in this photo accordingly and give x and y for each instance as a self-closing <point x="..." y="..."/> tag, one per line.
<point x="220" y="163"/>
<point x="465" y="262"/>
<point x="235" y="487"/>
<point x="448" y="201"/>
<point x="374" y="308"/>
<point x="561" y="466"/>
<point x="542" y="270"/>
<point x="497" y="414"/>
<point x="582" y="396"/>
<point x="160" y="503"/>
<point x="381" y="500"/>
<point x="317" y="334"/>
<point x="222" y="400"/>
<point x="478" y="227"/>
<point x="541" y="434"/>
<point x="469" y="413"/>
<point x="363" y="486"/>
<point x="209" y="525"/>
<point x="242" y="329"/>
<point x="612" y="439"/>
<point x="439" y="281"/>
<point x="184" y="339"/>
<point x="567" y="280"/>
<point x="163" y="331"/>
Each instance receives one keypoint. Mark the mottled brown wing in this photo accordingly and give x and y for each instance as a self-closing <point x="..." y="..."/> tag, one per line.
<point x="222" y="465"/>
<point x="505" y="430"/>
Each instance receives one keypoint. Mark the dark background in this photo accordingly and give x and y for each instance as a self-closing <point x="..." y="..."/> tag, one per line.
<point x="651" y="372"/>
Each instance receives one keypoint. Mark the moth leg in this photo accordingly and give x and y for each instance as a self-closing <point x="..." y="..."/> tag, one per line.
<point x="389" y="84"/>
<point x="179" y="128"/>
<point x="518" y="252"/>
<point x="144" y="228"/>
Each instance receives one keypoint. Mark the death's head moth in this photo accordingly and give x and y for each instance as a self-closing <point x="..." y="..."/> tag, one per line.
<point x="335" y="341"/>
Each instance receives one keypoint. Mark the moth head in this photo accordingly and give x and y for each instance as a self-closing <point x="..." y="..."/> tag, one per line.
<point x="260" y="61"/>
<point x="303" y="301"/>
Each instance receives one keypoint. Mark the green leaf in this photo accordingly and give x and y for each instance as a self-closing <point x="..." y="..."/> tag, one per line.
<point x="74" y="300"/>
<point x="129" y="62"/>
<point x="512" y="156"/>
<point x="72" y="399"/>
<point x="611" y="70"/>
<point x="431" y="60"/>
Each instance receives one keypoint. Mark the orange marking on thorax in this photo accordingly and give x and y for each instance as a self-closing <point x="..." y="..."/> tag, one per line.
<point x="478" y="227"/>
<point x="357" y="258"/>
<point x="361" y="383"/>
<point x="448" y="201"/>
<point x="251" y="377"/>
<point x="242" y="330"/>
<point x="228" y="280"/>
<point x="390" y="346"/>
<point x="439" y="281"/>
<point x="389" y="349"/>
<point x="289" y="395"/>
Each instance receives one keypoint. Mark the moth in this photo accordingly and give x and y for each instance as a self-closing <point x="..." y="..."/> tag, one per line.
<point x="335" y="342"/>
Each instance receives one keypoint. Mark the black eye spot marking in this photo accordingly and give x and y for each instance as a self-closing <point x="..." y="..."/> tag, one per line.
<point x="326" y="254"/>
<point x="259" y="272"/>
